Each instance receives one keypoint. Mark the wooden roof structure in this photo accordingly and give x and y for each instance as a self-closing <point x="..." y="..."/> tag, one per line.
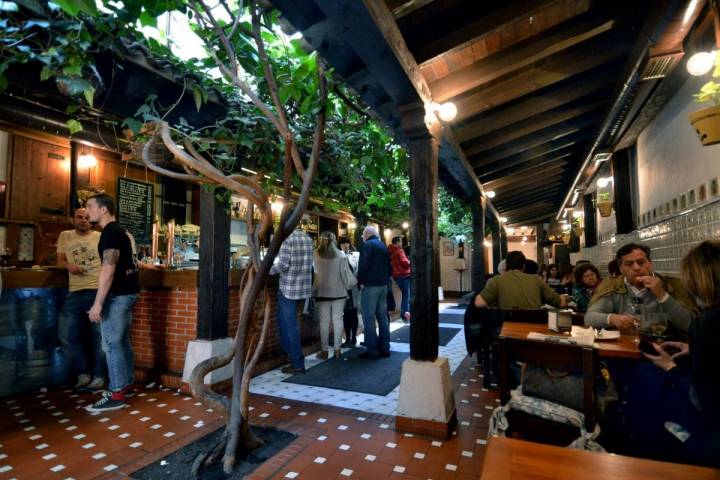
<point x="539" y="85"/>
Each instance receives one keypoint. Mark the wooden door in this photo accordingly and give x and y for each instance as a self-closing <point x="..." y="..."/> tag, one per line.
<point x="40" y="183"/>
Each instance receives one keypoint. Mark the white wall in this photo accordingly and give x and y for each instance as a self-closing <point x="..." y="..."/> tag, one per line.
<point x="449" y="277"/>
<point x="529" y="249"/>
<point x="671" y="159"/>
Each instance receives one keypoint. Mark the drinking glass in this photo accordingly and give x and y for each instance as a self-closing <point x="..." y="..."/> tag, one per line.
<point x="658" y="323"/>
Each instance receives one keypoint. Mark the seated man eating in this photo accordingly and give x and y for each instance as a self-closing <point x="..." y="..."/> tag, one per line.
<point x="618" y="300"/>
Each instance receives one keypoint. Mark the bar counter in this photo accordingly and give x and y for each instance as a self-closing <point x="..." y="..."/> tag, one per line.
<point x="165" y="320"/>
<point x="57" y="278"/>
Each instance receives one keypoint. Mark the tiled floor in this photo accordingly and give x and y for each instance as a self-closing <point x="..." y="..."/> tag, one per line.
<point x="271" y="383"/>
<point x="49" y="435"/>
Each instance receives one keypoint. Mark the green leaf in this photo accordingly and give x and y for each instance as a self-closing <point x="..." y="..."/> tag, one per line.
<point x="147" y="20"/>
<point x="74" y="126"/>
<point x="197" y="94"/>
<point x="133" y="125"/>
<point x="45" y="73"/>
<point x="73" y="7"/>
<point x="72" y="70"/>
<point x="89" y="95"/>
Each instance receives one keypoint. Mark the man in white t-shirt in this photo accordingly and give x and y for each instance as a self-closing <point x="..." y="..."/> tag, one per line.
<point x="77" y="251"/>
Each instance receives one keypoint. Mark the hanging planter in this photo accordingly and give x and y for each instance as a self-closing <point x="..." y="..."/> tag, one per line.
<point x="707" y="124"/>
<point x="605" y="208"/>
<point x="707" y="121"/>
<point x="604" y="203"/>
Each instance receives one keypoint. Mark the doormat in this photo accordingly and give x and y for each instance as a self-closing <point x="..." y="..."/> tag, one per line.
<point x="178" y="465"/>
<point x="402" y="335"/>
<point x="457" y="318"/>
<point x="350" y="373"/>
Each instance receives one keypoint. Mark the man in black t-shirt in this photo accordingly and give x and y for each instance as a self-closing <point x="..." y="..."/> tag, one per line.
<point x="117" y="292"/>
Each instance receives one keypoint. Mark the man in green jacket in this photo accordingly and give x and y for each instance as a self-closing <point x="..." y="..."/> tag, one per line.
<point x="517" y="290"/>
<point x="617" y="300"/>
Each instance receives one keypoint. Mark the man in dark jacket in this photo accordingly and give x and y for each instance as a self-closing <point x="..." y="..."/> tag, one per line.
<point x="373" y="277"/>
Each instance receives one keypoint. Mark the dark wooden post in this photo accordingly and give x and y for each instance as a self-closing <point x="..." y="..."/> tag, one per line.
<point x="497" y="248"/>
<point x="423" y="147"/>
<point x="624" y="216"/>
<point x="503" y="242"/>
<point x="590" y="220"/>
<point x="213" y="276"/>
<point x="478" y="248"/>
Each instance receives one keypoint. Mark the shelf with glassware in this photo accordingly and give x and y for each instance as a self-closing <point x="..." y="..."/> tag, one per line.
<point x="315" y="221"/>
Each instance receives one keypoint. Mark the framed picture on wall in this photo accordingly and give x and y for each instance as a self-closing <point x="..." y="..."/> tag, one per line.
<point x="448" y="249"/>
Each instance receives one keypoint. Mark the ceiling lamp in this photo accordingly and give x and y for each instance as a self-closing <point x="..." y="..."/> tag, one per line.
<point x="503" y="219"/>
<point x="405" y="225"/>
<point x="701" y="63"/>
<point x="444" y="111"/>
<point x="603" y="182"/>
<point x="490" y="194"/>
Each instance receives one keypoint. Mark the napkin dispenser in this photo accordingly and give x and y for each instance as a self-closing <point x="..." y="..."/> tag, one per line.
<point x="559" y="320"/>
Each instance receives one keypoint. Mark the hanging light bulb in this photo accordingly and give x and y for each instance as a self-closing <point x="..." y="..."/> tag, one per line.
<point x="700" y="63"/>
<point x="447" y="112"/>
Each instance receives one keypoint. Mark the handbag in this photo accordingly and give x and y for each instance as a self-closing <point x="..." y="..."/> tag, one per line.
<point x="566" y="388"/>
<point x="346" y="275"/>
<point x="554" y="385"/>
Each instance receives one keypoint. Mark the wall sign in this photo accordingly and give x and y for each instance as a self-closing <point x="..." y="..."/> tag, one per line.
<point x="135" y="208"/>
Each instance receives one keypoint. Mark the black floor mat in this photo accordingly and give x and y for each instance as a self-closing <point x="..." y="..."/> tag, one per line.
<point x="377" y="377"/>
<point x="452" y="318"/>
<point x="402" y="335"/>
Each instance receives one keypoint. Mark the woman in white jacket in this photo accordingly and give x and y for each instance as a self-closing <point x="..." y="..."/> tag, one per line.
<point x="329" y="292"/>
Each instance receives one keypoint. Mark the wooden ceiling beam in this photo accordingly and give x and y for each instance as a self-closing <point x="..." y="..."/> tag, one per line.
<point x="437" y="28"/>
<point x="530" y="197"/>
<point x="599" y="51"/>
<point x="515" y="188"/>
<point x="400" y="8"/>
<point x="530" y="220"/>
<point x="567" y="154"/>
<point x="541" y="102"/>
<point x="554" y="132"/>
<point x="554" y="166"/>
<point x="532" y="210"/>
<point x="530" y="51"/>
<point x="534" y="125"/>
<point x="547" y="147"/>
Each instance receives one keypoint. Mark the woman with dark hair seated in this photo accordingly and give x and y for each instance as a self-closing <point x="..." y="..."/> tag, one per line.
<point x="587" y="278"/>
<point x="674" y="410"/>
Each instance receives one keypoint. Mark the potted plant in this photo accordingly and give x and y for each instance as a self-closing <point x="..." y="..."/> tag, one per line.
<point x="604" y="203"/>
<point x="707" y="121"/>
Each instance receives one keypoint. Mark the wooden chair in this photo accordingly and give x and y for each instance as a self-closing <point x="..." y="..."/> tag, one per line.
<point x="491" y="321"/>
<point x="568" y="358"/>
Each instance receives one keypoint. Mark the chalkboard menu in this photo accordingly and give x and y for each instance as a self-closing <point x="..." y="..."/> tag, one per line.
<point x="135" y="208"/>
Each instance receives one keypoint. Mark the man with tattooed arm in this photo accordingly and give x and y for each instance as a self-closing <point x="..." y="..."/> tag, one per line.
<point x="117" y="292"/>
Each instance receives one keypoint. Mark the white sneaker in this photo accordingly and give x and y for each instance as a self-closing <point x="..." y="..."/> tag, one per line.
<point x="82" y="380"/>
<point x="98" y="383"/>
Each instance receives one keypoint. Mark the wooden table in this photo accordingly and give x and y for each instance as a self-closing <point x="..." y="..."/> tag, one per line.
<point x="624" y="347"/>
<point x="507" y="458"/>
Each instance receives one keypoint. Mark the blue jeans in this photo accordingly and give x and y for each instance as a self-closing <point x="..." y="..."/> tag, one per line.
<point x="117" y="316"/>
<point x="374" y="305"/>
<point x="289" y="331"/>
<point x="404" y="286"/>
<point x="81" y="338"/>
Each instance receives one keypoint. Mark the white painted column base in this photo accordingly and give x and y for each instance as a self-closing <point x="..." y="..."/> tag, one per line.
<point x="199" y="350"/>
<point x="426" y="391"/>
